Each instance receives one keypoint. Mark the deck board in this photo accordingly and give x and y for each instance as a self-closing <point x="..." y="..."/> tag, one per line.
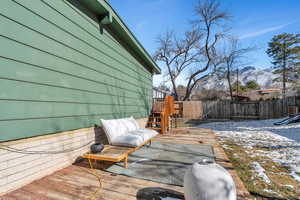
<point x="77" y="182"/>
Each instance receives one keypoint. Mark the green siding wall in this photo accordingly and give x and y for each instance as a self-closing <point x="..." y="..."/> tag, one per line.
<point x="58" y="72"/>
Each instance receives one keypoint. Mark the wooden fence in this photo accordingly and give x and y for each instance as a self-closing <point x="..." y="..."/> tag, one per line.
<point x="227" y="109"/>
<point x="189" y="109"/>
<point x="249" y="110"/>
<point x="216" y="109"/>
<point x="244" y="110"/>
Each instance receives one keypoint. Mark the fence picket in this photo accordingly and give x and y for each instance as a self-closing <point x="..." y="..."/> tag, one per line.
<point x="226" y="109"/>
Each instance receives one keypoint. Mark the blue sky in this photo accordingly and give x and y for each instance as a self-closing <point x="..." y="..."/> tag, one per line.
<point x="255" y="22"/>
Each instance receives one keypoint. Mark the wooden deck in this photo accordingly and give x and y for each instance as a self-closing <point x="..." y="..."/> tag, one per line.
<point x="76" y="182"/>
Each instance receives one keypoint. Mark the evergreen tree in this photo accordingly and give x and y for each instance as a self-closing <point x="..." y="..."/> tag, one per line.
<point x="297" y="76"/>
<point x="238" y="87"/>
<point x="284" y="50"/>
<point x="252" y="85"/>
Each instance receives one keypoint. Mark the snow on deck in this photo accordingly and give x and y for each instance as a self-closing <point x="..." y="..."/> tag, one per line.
<point x="284" y="140"/>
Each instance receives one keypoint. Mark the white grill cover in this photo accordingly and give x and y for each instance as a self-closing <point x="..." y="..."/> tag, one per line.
<point x="208" y="182"/>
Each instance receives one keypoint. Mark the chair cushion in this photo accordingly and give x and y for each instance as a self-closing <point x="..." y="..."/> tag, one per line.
<point x="126" y="132"/>
<point x="132" y="120"/>
<point x="113" y="129"/>
<point x="144" y="133"/>
<point x="149" y="131"/>
<point x="129" y="123"/>
<point x="128" y="140"/>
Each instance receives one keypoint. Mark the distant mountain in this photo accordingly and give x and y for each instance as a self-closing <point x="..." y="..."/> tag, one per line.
<point x="264" y="77"/>
<point x="247" y="69"/>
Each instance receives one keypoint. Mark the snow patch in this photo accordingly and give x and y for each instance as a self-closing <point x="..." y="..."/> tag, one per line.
<point x="295" y="176"/>
<point x="260" y="172"/>
<point x="270" y="191"/>
<point x="282" y="142"/>
<point x="289" y="186"/>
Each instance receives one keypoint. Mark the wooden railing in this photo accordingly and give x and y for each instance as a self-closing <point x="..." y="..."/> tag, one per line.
<point x="168" y="111"/>
<point x="162" y="110"/>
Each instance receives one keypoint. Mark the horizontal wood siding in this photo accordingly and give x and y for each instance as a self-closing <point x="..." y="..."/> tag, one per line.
<point x="59" y="72"/>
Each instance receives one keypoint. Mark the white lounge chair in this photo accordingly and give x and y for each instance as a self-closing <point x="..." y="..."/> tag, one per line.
<point x="126" y="132"/>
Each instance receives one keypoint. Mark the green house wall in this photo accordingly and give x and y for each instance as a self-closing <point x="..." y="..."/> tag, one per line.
<point x="60" y="72"/>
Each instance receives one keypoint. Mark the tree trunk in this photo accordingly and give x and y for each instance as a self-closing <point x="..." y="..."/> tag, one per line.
<point x="188" y="91"/>
<point x="229" y="84"/>
<point x="191" y="86"/>
<point x="284" y="79"/>
<point x="175" y="89"/>
<point x="173" y="82"/>
<point x="284" y="84"/>
<point x="237" y="81"/>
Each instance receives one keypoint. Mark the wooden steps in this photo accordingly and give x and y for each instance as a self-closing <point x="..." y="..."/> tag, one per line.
<point x="162" y="110"/>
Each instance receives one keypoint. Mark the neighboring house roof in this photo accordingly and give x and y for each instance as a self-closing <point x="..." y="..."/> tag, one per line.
<point x="241" y="97"/>
<point x="267" y="91"/>
<point x="103" y="9"/>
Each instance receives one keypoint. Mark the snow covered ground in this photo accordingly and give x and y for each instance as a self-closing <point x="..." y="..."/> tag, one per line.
<point x="283" y="141"/>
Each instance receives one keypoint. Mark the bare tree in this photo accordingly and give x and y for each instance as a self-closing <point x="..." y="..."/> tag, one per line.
<point x="232" y="58"/>
<point x="210" y="25"/>
<point x="195" y="52"/>
<point x="177" y="54"/>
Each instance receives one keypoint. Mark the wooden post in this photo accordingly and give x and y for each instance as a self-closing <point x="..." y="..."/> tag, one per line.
<point x="126" y="161"/>
<point x="162" y="122"/>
